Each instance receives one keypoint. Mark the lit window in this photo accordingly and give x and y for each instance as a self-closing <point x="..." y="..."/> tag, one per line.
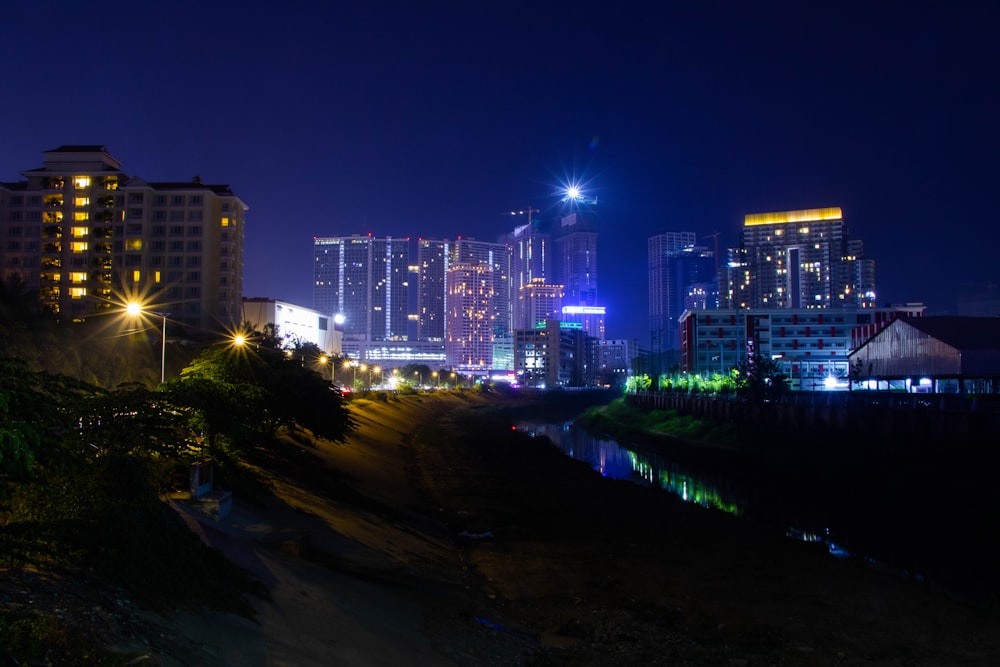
<point x="79" y="232"/>
<point x="81" y="216"/>
<point x="81" y="182"/>
<point x="78" y="277"/>
<point x="803" y="230"/>
<point x="77" y="292"/>
<point x="78" y="246"/>
<point x="136" y="275"/>
<point x="225" y="222"/>
<point x="133" y="244"/>
<point x="156" y="277"/>
<point x="80" y="202"/>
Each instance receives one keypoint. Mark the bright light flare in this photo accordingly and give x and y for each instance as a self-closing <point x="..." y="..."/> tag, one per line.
<point x="573" y="192"/>
<point x="133" y="308"/>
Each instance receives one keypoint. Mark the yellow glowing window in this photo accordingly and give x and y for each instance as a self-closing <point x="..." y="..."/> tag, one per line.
<point x="79" y="232"/>
<point x="81" y="182"/>
<point x="81" y="201"/>
<point x="225" y="222"/>
<point x="81" y="216"/>
<point x="78" y="277"/>
<point x="78" y="246"/>
<point x="803" y="230"/>
<point x="156" y="276"/>
<point x="133" y="244"/>
<point x="77" y="292"/>
<point x="136" y="275"/>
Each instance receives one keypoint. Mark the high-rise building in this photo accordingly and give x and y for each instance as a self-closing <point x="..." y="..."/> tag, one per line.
<point x="366" y="280"/>
<point x="668" y="285"/>
<point x="469" y="326"/>
<point x="575" y="245"/>
<point x="432" y="266"/>
<point x="87" y="236"/>
<point x="538" y="301"/>
<point x="497" y="257"/>
<point x="530" y="260"/>
<point x="804" y="259"/>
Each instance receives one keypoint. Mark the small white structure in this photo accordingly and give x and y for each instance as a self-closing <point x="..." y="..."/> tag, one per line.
<point x="295" y="323"/>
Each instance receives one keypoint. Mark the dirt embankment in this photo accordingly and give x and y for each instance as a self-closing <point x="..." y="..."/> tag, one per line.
<point x="438" y="536"/>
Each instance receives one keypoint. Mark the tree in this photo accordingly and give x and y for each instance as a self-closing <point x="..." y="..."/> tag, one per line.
<point x="760" y="378"/>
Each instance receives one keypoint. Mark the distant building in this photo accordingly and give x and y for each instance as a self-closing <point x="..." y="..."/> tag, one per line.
<point x="469" y="319"/>
<point x="575" y="245"/>
<point x="294" y="324"/>
<point x="801" y="259"/>
<point x="614" y="361"/>
<point x="366" y="280"/>
<point x="942" y="354"/>
<point x="811" y="345"/>
<point x="432" y="265"/>
<point x="538" y="301"/>
<point x="555" y="355"/>
<point x="680" y="274"/>
<point x="591" y="318"/>
<point x="530" y="261"/>
<point x="88" y="236"/>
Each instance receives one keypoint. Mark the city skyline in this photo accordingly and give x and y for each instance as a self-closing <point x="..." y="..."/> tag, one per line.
<point x="436" y="122"/>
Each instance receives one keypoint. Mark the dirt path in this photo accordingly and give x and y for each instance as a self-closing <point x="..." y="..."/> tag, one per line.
<point x="411" y="545"/>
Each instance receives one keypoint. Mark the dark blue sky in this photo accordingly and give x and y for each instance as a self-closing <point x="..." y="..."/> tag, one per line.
<point x="431" y="119"/>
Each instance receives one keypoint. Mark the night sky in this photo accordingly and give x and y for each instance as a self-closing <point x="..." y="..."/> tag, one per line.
<point x="432" y="119"/>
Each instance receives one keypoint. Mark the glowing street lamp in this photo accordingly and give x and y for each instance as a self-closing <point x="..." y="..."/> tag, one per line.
<point x="135" y="309"/>
<point x="377" y="370"/>
<point x="363" y="367"/>
<point x="420" y="378"/>
<point x="333" y="367"/>
<point x="434" y="374"/>
<point x="453" y="383"/>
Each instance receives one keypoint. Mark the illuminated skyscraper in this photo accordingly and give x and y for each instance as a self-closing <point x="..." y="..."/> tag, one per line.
<point x="575" y="245"/>
<point x="497" y="257"/>
<point x="469" y="328"/>
<point x="537" y="302"/>
<point x="432" y="266"/>
<point x="530" y="260"/>
<point x="86" y="235"/>
<point x="804" y="259"/>
<point x="366" y="280"/>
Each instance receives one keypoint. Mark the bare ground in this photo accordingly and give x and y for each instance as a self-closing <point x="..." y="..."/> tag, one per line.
<point x="414" y="545"/>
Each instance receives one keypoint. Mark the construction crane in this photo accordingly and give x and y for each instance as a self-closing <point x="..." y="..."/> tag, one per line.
<point x="527" y="211"/>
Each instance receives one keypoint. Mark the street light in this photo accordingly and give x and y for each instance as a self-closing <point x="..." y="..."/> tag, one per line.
<point x="453" y="383"/>
<point x="434" y="374"/>
<point x="135" y="309"/>
<point x="377" y="370"/>
<point x="420" y="378"/>
<point x="363" y="369"/>
<point x="333" y="367"/>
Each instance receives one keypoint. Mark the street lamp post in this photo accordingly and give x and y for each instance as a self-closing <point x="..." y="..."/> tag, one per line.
<point x="135" y="309"/>
<point x="437" y="375"/>
<point x="420" y="378"/>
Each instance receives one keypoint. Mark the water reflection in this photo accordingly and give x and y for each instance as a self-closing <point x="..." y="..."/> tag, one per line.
<point x="700" y="487"/>
<point x="613" y="460"/>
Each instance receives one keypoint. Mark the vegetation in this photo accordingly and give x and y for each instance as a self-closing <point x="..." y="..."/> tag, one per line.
<point x="627" y="422"/>
<point x="757" y="378"/>
<point x="83" y="466"/>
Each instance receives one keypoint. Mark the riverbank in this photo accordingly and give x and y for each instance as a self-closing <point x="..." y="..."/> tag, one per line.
<point x="438" y="536"/>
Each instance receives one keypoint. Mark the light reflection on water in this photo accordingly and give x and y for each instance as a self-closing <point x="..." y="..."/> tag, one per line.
<point x="616" y="461"/>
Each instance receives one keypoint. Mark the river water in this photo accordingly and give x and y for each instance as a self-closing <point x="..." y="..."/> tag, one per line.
<point x="910" y="522"/>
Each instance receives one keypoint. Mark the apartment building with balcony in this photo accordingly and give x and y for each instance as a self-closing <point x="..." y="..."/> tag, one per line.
<point x="87" y="237"/>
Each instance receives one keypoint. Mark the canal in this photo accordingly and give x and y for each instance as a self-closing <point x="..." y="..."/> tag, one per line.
<point x="931" y="521"/>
